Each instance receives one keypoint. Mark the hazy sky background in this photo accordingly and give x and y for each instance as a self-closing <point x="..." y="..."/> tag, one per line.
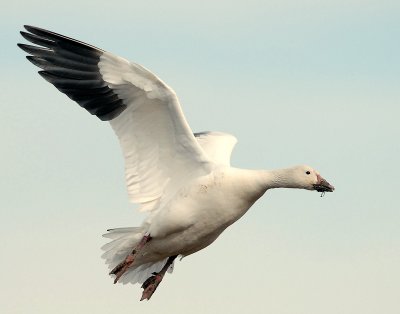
<point x="314" y="82"/>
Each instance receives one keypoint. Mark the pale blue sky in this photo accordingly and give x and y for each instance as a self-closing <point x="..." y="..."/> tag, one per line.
<point x="313" y="82"/>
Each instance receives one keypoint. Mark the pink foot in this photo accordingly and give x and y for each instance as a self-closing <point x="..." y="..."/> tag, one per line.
<point x="122" y="267"/>
<point x="150" y="285"/>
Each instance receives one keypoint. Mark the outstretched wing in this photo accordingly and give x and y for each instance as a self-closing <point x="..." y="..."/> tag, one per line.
<point x="158" y="144"/>
<point x="218" y="146"/>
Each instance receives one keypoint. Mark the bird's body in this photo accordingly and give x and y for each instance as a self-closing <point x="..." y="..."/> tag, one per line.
<point x="194" y="217"/>
<point x="215" y="201"/>
<point x="183" y="180"/>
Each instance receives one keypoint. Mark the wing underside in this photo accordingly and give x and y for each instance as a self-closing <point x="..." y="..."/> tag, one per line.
<point x="158" y="145"/>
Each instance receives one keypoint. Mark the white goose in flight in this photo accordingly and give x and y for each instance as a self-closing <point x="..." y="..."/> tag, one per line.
<point x="183" y="180"/>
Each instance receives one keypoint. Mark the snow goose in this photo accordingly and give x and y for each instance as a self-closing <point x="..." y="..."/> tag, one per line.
<point x="183" y="180"/>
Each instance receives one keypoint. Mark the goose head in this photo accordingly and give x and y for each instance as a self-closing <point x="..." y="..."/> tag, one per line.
<point x="310" y="179"/>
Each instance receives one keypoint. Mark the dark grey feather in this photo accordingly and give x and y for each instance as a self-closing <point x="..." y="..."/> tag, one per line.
<point x="38" y="40"/>
<point x="66" y="42"/>
<point x="63" y="72"/>
<point x="65" y="82"/>
<point x="72" y="67"/>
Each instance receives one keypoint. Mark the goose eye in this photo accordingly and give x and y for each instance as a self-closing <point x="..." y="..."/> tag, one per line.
<point x="308" y="172"/>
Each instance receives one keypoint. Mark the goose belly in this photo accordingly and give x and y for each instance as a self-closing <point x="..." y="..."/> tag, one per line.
<point x="200" y="212"/>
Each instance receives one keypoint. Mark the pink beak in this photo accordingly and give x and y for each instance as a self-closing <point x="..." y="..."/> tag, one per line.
<point x="322" y="185"/>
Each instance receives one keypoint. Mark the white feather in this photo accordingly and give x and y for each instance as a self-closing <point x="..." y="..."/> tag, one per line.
<point x="157" y="143"/>
<point x="123" y="241"/>
<point x="217" y="145"/>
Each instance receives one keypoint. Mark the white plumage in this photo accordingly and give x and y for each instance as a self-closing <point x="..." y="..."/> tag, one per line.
<point x="158" y="144"/>
<point x="183" y="180"/>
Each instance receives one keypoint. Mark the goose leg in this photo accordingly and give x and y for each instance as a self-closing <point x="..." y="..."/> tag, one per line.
<point x="122" y="267"/>
<point x="151" y="283"/>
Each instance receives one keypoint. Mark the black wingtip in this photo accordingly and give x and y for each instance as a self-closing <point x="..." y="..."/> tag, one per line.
<point x="25" y="35"/>
<point x="47" y="76"/>
<point x="35" y="50"/>
<point x="42" y="32"/>
<point x="72" y="67"/>
<point x="49" y="35"/>
<point x="39" y="62"/>
<point x="29" y="28"/>
<point x="23" y="47"/>
<point x="38" y="40"/>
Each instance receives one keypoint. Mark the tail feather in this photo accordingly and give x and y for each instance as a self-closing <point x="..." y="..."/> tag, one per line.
<point x="118" y="232"/>
<point x="123" y="240"/>
<point x="142" y="272"/>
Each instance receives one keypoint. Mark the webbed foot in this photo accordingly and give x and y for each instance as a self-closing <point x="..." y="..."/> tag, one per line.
<point x="122" y="267"/>
<point x="150" y="285"/>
